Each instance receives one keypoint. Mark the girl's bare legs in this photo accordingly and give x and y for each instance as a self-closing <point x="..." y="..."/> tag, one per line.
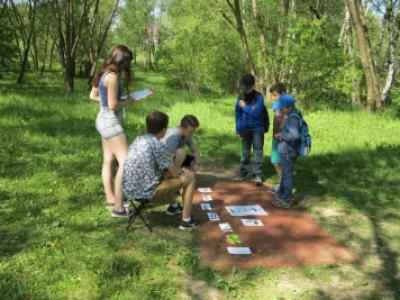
<point x="106" y="171"/>
<point x="119" y="148"/>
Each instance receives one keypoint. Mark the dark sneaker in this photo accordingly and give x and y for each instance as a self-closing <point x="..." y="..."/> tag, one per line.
<point x="119" y="214"/>
<point x="189" y="225"/>
<point x="258" y="180"/>
<point x="280" y="204"/>
<point x="240" y="177"/>
<point x="110" y="205"/>
<point x="172" y="211"/>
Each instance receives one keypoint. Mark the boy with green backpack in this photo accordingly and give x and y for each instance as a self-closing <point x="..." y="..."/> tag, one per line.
<point x="294" y="140"/>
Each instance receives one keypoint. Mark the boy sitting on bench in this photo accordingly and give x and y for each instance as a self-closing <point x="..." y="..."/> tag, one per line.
<point x="147" y="164"/>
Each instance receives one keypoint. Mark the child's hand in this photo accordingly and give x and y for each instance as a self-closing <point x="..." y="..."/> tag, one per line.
<point x="242" y="103"/>
<point x="277" y="136"/>
<point x="238" y="136"/>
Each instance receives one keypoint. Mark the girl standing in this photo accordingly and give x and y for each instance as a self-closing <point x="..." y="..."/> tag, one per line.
<point x="107" y="90"/>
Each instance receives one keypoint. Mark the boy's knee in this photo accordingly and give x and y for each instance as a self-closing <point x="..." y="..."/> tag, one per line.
<point x="188" y="178"/>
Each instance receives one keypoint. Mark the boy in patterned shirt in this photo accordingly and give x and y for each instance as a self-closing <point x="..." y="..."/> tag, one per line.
<point x="148" y="162"/>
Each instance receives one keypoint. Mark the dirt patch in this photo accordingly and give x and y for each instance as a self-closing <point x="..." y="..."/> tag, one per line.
<point x="288" y="237"/>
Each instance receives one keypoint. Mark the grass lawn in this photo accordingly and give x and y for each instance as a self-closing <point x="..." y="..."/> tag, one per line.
<point x="59" y="242"/>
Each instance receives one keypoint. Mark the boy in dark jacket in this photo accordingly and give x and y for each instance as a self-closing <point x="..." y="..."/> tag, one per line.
<point x="289" y="144"/>
<point x="250" y="128"/>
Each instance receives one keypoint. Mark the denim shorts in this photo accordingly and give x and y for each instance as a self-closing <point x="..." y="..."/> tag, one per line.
<point x="109" y="123"/>
<point x="275" y="156"/>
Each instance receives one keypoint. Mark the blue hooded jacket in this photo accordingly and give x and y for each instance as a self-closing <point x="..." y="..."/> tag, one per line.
<point x="250" y="116"/>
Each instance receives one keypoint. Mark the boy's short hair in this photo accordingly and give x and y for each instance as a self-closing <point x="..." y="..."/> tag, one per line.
<point x="156" y="121"/>
<point x="247" y="81"/>
<point x="190" y="120"/>
<point x="279" y="87"/>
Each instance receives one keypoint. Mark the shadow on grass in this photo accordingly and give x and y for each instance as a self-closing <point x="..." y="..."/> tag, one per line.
<point x="367" y="180"/>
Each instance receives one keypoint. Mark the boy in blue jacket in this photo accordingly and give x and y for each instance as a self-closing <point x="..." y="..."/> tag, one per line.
<point x="289" y="143"/>
<point x="250" y="128"/>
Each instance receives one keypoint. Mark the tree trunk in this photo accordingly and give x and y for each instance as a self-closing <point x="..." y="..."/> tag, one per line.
<point x="373" y="94"/>
<point x="392" y="60"/>
<point x="348" y="34"/>
<point x="32" y="17"/>
<point x="69" y="74"/>
<point x="264" y="79"/>
<point x="53" y="44"/>
<point x="238" y="26"/>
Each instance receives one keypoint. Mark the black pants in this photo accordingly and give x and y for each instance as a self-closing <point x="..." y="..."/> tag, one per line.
<point x="188" y="161"/>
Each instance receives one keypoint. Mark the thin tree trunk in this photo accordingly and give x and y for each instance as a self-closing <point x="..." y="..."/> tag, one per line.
<point x="391" y="62"/>
<point x="238" y="26"/>
<point x="373" y="94"/>
<point x="348" y="33"/>
<point x="263" y="49"/>
<point x="53" y="44"/>
<point x="32" y="17"/>
<point x="45" y="50"/>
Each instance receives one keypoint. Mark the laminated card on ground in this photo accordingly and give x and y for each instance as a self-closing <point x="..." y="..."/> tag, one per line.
<point x="213" y="216"/>
<point x="239" y="250"/>
<point x="206" y="197"/>
<point x="205" y="206"/>
<point x="246" y="210"/>
<point x="205" y="190"/>
<point x="252" y="222"/>
<point x="225" y="227"/>
<point x="140" y="95"/>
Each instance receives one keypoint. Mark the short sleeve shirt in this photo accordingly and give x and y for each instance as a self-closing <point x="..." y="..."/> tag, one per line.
<point x="143" y="167"/>
<point x="173" y="140"/>
<point x="278" y="120"/>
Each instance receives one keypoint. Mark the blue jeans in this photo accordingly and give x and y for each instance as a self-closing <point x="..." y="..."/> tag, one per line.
<point x="255" y="139"/>
<point x="285" y="187"/>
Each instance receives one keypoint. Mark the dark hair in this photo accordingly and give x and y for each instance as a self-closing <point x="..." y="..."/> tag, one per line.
<point x="247" y="81"/>
<point x="156" y="121"/>
<point x="279" y="88"/>
<point x="118" y="61"/>
<point x="189" y="120"/>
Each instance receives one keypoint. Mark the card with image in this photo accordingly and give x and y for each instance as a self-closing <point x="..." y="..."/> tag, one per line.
<point x="213" y="216"/>
<point x="205" y="206"/>
<point x="225" y="227"/>
<point x="252" y="222"/>
<point x="206" y="197"/>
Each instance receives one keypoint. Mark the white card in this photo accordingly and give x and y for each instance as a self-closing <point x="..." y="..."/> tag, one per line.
<point x="213" y="216"/>
<point x="252" y="222"/>
<point x="140" y="95"/>
<point x="225" y="227"/>
<point x="246" y="210"/>
<point x="205" y="190"/>
<point x="205" y="206"/>
<point x="239" y="250"/>
<point x="206" y="197"/>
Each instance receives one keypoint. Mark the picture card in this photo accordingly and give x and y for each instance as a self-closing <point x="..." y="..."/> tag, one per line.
<point x="205" y="206"/>
<point x="225" y="227"/>
<point x="205" y="190"/>
<point x="206" y="197"/>
<point x="213" y="216"/>
<point x="246" y="210"/>
<point x="239" y="250"/>
<point x="252" y="222"/>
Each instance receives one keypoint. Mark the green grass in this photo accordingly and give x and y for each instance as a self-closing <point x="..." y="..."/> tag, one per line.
<point x="58" y="241"/>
